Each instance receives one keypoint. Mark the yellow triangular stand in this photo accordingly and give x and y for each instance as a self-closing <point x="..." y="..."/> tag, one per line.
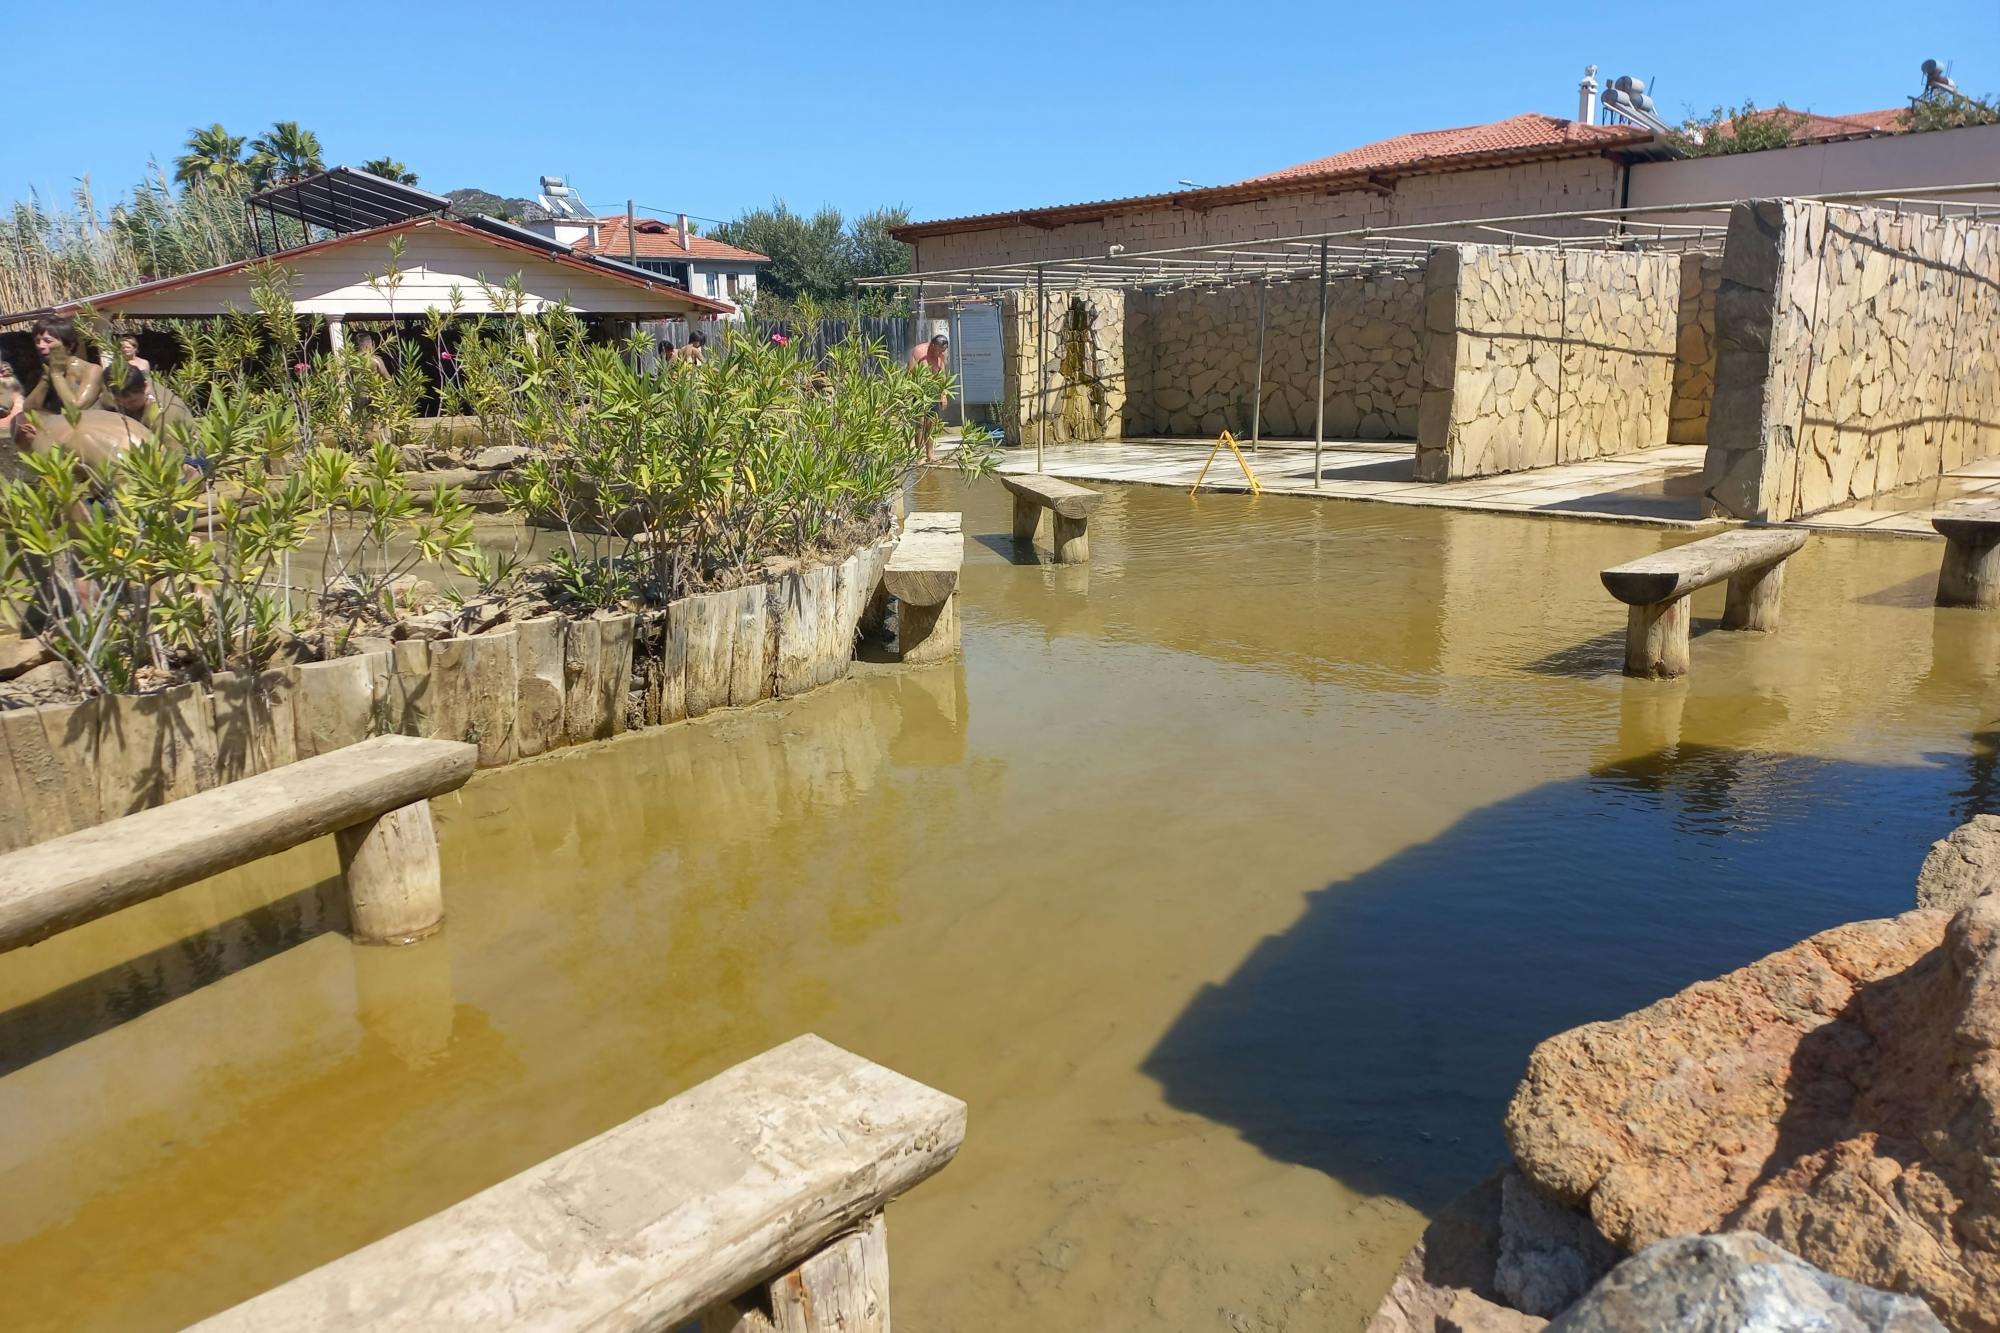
<point x="1256" y="486"/>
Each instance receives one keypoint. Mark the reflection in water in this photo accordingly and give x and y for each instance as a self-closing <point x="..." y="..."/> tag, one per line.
<point x="1278" y="835"/>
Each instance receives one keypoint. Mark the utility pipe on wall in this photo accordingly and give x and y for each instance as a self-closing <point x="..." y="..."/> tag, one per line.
<point x="1257" y="403"/>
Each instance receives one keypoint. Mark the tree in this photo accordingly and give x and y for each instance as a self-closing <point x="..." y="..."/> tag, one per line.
<point x="818" y="256"/>
<point x="871" y="249"/>
<point x="1742" y="129"/>
<point x="469" y="200"/>
<point x="214" y="156"/>
<point x="1950" y="111"/>
<point x="284" y="151"/>
<point x="389" y="169"/>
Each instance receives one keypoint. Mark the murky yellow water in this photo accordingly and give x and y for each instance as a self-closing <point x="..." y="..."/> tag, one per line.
<point x="1229" y="880"/>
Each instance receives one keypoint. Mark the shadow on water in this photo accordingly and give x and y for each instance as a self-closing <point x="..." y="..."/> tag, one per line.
<point x="1379" y="1038"/>
<point x="105" y="999"/>
<point x="1605" y="654"/>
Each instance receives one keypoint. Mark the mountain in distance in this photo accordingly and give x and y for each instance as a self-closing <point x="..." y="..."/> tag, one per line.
<point x="483" y="201"/>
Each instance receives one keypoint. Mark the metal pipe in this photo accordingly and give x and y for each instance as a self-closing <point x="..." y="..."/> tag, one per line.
<point x="632" y="241"/>
<point x="1041" y="369"/>
<point x="958" y="365"/>
<point x="1257" y="403"/>
<point x="1319" y="406"/>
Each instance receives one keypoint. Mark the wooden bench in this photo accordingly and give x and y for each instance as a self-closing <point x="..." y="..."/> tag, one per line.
<point x="922" y="575"/>
<point x="753" y="1201"/>
<point x="1657" y="588"/>
<point x="373" y="797"/>
<point x="1070" y="506"/>
<point x="1970" y="573"/>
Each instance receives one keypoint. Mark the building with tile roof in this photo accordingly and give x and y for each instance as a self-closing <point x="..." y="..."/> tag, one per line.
<point x="702" y="265"/>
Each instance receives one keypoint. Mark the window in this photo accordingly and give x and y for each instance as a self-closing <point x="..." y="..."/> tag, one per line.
<point x="711" y="283"/>
<point x="732" y="286"/>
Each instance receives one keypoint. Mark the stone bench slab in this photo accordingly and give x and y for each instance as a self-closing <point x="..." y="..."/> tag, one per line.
<point x="653" y="1222"/>
<point x="1066" y="499"/>
<point x="1668" y="575"/>
<point x="64" y="882"/>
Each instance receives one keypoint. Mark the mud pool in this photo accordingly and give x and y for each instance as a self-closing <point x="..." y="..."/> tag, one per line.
<point x="1229" y="879"/>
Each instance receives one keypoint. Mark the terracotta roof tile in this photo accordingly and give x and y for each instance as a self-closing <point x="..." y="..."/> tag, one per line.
<point x="661" y="240"/>
<point x="1860" y="125"/>
<point x="1432" y="149"/>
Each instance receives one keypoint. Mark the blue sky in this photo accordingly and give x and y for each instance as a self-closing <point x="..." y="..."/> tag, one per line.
<point x="947" y="108"/>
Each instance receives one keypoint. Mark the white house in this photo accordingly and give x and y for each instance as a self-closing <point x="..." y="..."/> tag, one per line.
<point x="703" y="266"/>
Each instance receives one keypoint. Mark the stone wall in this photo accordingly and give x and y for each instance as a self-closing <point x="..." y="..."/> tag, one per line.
<point x="1694" y="354"/>
<point x="1538" y="356"/>
<point x="1856" y="353"/>
<point x="1201" y="359"/>
<point x="1084" y="346"/>
<point x="516" y="691"/>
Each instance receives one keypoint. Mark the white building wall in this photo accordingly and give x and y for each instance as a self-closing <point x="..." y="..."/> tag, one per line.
<point x="435" y="263"/>
<point x="1904" y="161"/>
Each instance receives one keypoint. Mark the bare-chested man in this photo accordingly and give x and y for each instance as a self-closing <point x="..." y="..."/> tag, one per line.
<point x="68" y="380"/>
<point x="937" y="355"/>
<point x="153" y="405"/>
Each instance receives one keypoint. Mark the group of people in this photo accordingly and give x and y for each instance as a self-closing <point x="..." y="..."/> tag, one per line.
<point x="117" y="400"/>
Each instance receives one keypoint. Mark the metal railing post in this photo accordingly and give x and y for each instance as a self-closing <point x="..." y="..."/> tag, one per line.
<point x="1319" y="407"/>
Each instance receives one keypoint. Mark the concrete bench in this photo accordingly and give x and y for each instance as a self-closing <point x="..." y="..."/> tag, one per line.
<point x="753" y="1201"/>
<point x="1970" y="574"/>
<point x="922" y="575"/>
<point x="373" y="797"/>
<point x="1069" y="505"/>
<point x="1657" y="588"/>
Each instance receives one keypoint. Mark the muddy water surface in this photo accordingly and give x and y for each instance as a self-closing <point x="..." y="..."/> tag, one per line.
<point x="1229" y="880"/>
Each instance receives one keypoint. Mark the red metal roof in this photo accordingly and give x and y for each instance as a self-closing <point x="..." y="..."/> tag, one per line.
<point x="661" y="240"/>
<point x="1524" y="138"/>
<point x="591" y="264"/>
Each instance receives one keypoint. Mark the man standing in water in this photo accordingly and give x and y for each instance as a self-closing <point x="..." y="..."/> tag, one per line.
<point x="936" y="355"/>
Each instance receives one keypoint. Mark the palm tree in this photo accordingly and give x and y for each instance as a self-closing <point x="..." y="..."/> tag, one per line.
<point x="389" y="169"/>
<point x="284" y="151"/>
<point x="214" y="156"/>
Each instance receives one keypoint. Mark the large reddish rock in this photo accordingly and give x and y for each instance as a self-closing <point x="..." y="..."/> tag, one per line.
<point x="1841" y="1097"/>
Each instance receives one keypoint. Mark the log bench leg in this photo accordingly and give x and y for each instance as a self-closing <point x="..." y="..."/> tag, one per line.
<point x="927" y="633"/>
<point x="1656" y="639"/>
<point x="395" y="892"/>
<point x="1754" y="596"/>
<point x="1970" y="575"/>
<point x="1072" y="540"/>
<point x="842" y="1289"/>
<point x="1027" y="521"/>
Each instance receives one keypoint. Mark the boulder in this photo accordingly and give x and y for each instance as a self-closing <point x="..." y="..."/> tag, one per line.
<point x="18" y="656"/>
<point x="501" y="456"/>
<point x="1721" y="1284"/>
<point x="1962" y="866"/>
<point x="1550" y="1253"/>
<point x="1446" y="1282"/>
<point x="1841" y="1097"/>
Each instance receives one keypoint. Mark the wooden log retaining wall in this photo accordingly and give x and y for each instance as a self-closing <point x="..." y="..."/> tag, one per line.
<point x="517" y="691"/>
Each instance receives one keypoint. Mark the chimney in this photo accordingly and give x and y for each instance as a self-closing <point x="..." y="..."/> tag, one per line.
<point x="684" y="231"/>
<point x="1586" y="96"/>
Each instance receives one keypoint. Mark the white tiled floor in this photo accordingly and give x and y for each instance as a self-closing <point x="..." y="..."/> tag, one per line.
<point x="1907" y="512"/>
<point x="1658" y="486"/>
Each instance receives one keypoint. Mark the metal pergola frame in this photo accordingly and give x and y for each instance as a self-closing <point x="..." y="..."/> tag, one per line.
<point x="1399" y="250"/>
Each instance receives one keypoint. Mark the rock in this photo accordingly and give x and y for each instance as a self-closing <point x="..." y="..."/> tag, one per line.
<point x="411" y="591"/>
<point x="429" y="625"/>
<point x="49" y="683"/>
<point x="478" y="617"/>
<point x="362" y="644"/>
<point x="500" y="456"/>
<point x="18" y="656"/>
<point x="1550" y="1254"/>
<point x="1841" y="1097"/>
<point x="1959" y="868"/>
<point x="1720" y="1284"/>
<point x="1445" y="1284"/>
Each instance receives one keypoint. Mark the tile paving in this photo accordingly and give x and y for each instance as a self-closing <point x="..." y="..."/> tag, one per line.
<point x="1658" y="486"/>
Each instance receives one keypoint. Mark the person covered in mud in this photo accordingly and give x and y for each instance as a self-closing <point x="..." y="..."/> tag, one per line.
<point x="11" y="398"/>
<point x="68" y="379"/>
<point x="937" y="355"/>
<point x="128" y="352"/>
<point x="693" y="350"/>
<point x="153" y="405"/>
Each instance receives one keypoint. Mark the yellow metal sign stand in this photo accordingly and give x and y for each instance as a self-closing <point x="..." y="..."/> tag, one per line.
<point x="1256" y="486"/>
